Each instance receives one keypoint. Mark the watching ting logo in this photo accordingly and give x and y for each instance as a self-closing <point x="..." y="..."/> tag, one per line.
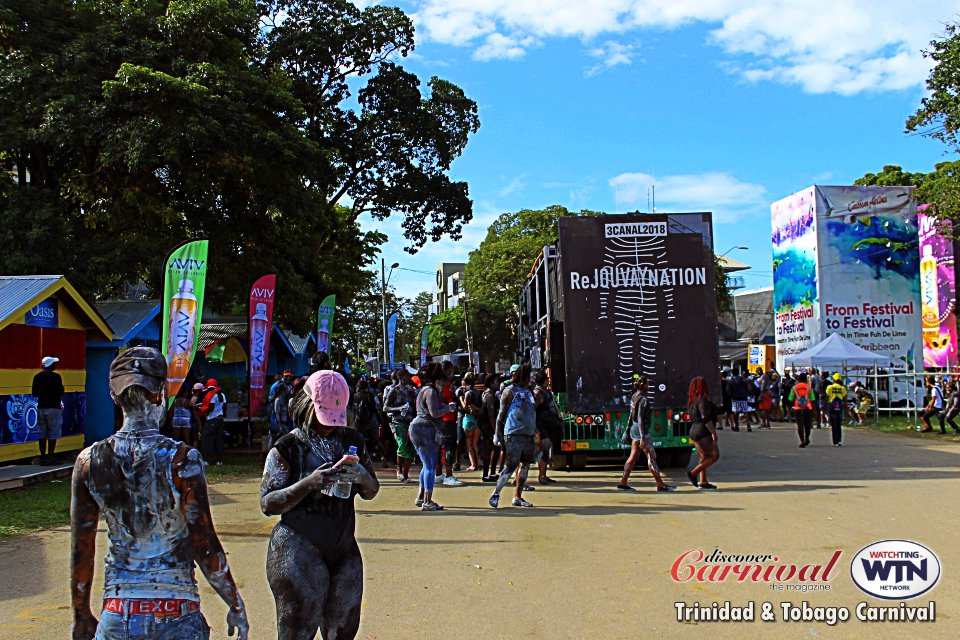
<point x="895" y="569"/>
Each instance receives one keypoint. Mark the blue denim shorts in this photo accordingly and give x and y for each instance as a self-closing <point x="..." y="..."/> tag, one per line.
<point x="112" y="626"/>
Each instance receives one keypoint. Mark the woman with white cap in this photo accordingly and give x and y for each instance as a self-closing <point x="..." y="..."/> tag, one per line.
<point x="314" y="565"/>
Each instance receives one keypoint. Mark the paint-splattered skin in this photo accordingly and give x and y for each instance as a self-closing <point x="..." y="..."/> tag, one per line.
<point x="207" y="551"/>
<point x="315" y="588"/>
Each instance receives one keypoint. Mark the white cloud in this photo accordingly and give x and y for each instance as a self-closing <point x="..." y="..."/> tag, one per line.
<point x="727" y="197"/>
<point x="823" y="46"/>
<point x="610" y="54"/>
<point x="518" y="183"/>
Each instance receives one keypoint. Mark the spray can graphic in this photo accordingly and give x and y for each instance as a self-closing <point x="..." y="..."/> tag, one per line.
<point x="182" y="332"/>
<point x="259" y="325"/>
<point x="929" y="296"/>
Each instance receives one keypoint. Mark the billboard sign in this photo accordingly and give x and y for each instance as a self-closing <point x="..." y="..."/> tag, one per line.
<point x="869" y="269"/>
<point x="795" y="299"/>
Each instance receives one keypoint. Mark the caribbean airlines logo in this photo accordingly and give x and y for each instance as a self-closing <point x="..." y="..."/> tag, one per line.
<point x="895" y="569"/>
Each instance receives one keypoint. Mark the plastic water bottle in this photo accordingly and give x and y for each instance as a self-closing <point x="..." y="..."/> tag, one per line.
<point x="343" y="488"/>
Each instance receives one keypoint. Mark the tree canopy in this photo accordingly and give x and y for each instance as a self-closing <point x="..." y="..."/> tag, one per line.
<point x="268" y="127"/>
<point x="496" y="271"/>
<point x="939" y="118"/>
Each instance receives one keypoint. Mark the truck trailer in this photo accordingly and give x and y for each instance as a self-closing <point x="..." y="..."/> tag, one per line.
<point x="619" y="296"/>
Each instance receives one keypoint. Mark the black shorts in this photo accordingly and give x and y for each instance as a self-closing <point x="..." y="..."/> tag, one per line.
<point x="521" y="449"/>
<point x="700" y="432"/>
<point x="448" y="433"/>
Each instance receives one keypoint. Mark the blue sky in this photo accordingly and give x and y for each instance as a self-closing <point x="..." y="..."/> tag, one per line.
<point x="722" y="105"/>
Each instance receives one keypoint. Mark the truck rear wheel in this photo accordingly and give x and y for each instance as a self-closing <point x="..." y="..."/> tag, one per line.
<point x="681" y="458"/>
<point x="664" y="458"/>
<point x="579" y="461"/>
<point x="560" y="462"/>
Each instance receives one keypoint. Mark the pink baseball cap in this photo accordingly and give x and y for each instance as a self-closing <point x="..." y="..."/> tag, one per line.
<point x="330" y="395"/>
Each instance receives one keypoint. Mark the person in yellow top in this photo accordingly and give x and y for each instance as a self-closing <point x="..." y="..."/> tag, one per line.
<point x="836" y="395"/>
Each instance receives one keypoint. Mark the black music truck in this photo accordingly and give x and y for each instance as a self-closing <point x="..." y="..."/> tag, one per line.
<point x="619" y="296"/>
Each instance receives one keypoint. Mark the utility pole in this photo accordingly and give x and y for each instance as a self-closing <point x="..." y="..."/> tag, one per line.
<point x="466" y="325"/>
<point x="383" y="301"/>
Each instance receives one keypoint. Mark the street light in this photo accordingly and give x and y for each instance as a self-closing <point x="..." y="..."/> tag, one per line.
<point x="742" y="248"/>
<point x="384" y="280"/>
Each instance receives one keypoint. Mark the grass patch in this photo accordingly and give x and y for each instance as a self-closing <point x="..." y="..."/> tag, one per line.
<point x="47" y="504"/>
<point x="904" y="426"/>
<point x="34" y="508"/>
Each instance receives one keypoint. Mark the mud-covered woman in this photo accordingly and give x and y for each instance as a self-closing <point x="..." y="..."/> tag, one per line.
<point x="703" y="431"/>
<point x="314" y="566"/>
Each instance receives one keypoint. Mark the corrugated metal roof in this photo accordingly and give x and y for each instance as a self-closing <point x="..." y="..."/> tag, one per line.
<point x="729" y="264"/>
<point x="299" y="343"/>
<point x="17" y="291"/>
<point x="211" y="333"/>
<point x="124" y="315"/>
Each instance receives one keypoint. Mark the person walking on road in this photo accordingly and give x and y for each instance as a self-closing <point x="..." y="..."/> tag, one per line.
<point x="152" y="494"/>
<point x="640" y="439"/>
<point x="516" y="430"/>
<point x="424" y="431"/>
<point x="488" y="428"/>
<point x="836" y="404"/>
<point x="804" y="401"/>
<point x="953" y="406"/>
<point x="472" y="402"/>
<point x="703" y="431"/>
<point x="739" y="398"/>
<point x="310" y="479"/>
<point x="448" y="428"/>
<point x="48" y="389"/>
<point x="400" y="406"/>
<point x="548" y="425"/>
<point x="211" y="438"/>
<point x="934" y="406"/>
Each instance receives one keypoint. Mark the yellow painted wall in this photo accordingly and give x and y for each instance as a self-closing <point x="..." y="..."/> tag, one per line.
<point x="21" y="380"/>
<point x="31" y="449"/>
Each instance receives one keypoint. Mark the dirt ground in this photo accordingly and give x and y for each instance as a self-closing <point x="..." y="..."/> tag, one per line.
<point x="587" y="561"/>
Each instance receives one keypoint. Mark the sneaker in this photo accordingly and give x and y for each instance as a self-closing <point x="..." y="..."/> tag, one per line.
<point x="547" y="481"/>
<point x="803" y="445"/>
<point x="219" y="463"/>
<point x="527" y="487"/>
<point x="838" y="445"/>
<point x="494" y="500"/>
<point x="667" y="488"/>
<point x="520" y="502"/>
<point x="625" y="488"/>
<point x="708" y="487"/>
<point x="488" y="479"/>
<point x="451" y="481"/>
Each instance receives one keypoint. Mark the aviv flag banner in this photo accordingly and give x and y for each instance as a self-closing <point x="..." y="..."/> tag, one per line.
<point x="325" y="322"/>
<point x="259" y="328"/>
<point x="184" y="282"/>
<point x="423" y="344"/>
<point x="392" y="336"/>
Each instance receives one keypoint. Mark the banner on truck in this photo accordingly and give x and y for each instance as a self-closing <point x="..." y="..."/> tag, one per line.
<point x="259" y="328"/>
<point x="643" y="286"/>
<point x="184" y="282"/>
<point x="794" y="241"/>
<point x="325" y="322"/>
<point x="869" y="269"/>
<point x="938" y="293"/>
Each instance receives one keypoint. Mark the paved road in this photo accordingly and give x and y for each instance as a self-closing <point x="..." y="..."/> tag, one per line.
<point x="589" y="562"/>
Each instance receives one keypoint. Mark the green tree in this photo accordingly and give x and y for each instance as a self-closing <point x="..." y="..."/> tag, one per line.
<point x="447" y="332"/>
<point x="127" y="127"/>
<point x="496" y="271"/>
<point x="939" y="118"/>
<point x="940" y="188"/>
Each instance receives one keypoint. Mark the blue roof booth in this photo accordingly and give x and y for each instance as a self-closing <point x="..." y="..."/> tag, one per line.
<point x="134" y="323"/>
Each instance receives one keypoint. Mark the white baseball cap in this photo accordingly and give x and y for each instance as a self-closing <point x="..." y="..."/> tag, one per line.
<point x="48" y="361"/>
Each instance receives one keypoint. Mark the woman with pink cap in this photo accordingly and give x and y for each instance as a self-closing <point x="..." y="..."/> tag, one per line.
<point x="314" y="565"/>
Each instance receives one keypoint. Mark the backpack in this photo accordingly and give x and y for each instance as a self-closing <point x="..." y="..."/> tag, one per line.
<point x="802" y="397"/>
